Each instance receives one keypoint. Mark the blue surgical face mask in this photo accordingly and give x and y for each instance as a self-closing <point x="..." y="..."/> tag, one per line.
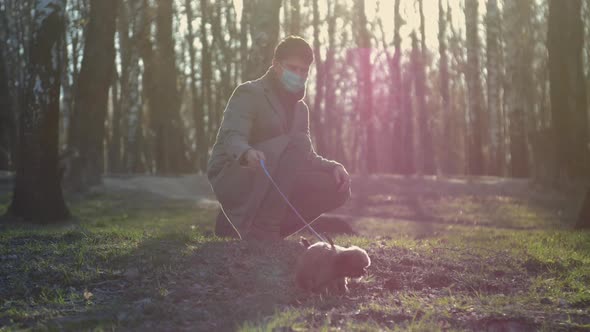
<point x="291" y="81"/>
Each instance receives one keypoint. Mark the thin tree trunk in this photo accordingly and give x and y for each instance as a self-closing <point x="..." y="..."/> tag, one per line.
<point x="206" y="72"/>
<point x="478" y="132"/>
<point x="330" y="123"/>
<point x="198" y="114"/>
<point x="427" y="151"/>
<point x="114" y="160"/>
<point x="244" y="40"/>
<point x="316" y="125"/>
<point x="496" y="159"/>
<point x="37" y="194"/>
<point x="400" y="117"/>
<point x="408" y="166"/>
<point x="130" y="96"/>
<point x="369" y="149"/>
<point x="6" y="116"/>
<point x="444" y="90"/>
<point x="169" y="143"/>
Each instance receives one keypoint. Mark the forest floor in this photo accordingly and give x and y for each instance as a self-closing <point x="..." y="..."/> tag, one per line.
<point x="482" y="254"/>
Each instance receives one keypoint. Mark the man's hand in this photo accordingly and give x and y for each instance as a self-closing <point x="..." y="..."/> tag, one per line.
<point x="252" y="158"/>
<point x="342" y="178"/>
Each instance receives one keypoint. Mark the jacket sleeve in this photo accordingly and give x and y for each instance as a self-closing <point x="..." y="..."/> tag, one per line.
<point x="317" y="161"/>
<point x="238" y="118"/>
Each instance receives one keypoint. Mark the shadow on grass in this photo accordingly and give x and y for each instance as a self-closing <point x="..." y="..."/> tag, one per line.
<point x="208" y="284"/>
<point x="179" y="280"/>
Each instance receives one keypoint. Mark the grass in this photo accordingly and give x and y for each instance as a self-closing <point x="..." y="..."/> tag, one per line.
<point x="445" y="257"/>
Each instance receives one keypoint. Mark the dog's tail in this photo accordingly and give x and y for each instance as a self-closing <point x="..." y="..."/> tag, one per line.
<point x="304" y="242"/>
<point x="330" y="241"/>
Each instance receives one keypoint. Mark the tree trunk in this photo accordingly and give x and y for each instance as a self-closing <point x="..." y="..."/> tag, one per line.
<point x="444" y="90"/>
<point x="331" y="141"/>
<point x="6" y="117"/>
<point x="244" y="40"/>
<point x="400" y="115"/>
<point x="408" y="165"/>
<point x="169" y="153"/>
<point x="87" y="130"/>
<point x="198" y="114"/>
<point x="496" y="156"/>
<point x="295" y="23"/>
<point x="317" y="125"/>
<point x="206" y="73"/>
<point x="368" y="143"/>
<point x="458" y="125"/>
<point x="583" y="221"/>
<point x="37" y="193"/>
<point x="476" y="163"/>
<point x="567" y="90"/>
<point x="426" y="151"/>
<point x="264" y="32"/>
<point x="114" y="159"/>
<point x="130" y="96"/>
<point x="519" y="59"/>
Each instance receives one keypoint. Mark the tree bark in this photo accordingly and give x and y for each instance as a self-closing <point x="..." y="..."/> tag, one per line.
<point x="130" y="95"/>
<point x="368" y="143"/>
<point x="169" y="153"/>
<point x="478" y="132"/>
<point x="426" y="149"/>
<point x="6" y="117"/>
<point x="295" y="23"/>
<point x="331" y="122"/>
<point x="87" y="129"/>
<point x="402" y="162"/>
<point x="37" y="194"/>
<point x="496" y="156"/>
<point x="519" y="69"/>
<point x="114" y="157"/>
<point x="206" y="73"/>
<point x="244" y="40"/>
<point x="264" y="33"/>
<point x="197" y="109"/>
<point x="567" y="90"/>
<point x="317" y="125"/>
<point x="444" y="89"/>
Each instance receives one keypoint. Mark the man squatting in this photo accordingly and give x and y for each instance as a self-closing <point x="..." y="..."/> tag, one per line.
<point x="266" y="119"/>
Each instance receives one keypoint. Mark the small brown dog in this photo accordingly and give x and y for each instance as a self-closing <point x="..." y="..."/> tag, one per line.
<point x="326" y="266"/>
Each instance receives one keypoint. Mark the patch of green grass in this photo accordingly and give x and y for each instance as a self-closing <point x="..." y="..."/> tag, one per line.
<point x="440" y="261"/>
<point x="291" y="319"/>
<point x="54" y="266"/>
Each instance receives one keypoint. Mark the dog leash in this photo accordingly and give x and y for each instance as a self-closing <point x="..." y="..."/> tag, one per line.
<point x="308" y="225"/>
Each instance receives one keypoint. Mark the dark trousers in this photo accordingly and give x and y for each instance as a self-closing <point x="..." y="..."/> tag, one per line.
<point x="310" y="190"/>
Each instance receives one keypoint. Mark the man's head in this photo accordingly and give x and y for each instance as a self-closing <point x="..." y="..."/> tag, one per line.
<point x="292" y="58"/>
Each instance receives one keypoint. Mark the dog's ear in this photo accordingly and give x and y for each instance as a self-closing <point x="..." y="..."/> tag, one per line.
<point x="304" y="242"/>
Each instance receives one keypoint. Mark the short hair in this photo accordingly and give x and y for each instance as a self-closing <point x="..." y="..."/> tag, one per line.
<point x="294" y="46"/>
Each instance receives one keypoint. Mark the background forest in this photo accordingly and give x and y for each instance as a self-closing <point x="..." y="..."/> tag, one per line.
<point x="454" y="87"/>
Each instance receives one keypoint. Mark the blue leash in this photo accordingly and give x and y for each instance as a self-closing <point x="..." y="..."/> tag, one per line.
<point x="308" y="225"/>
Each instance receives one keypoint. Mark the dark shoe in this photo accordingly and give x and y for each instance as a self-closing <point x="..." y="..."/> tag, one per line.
<point x="333" y="225"/>
<point x="263" y="234"/>
<point x="223" y="228"/>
